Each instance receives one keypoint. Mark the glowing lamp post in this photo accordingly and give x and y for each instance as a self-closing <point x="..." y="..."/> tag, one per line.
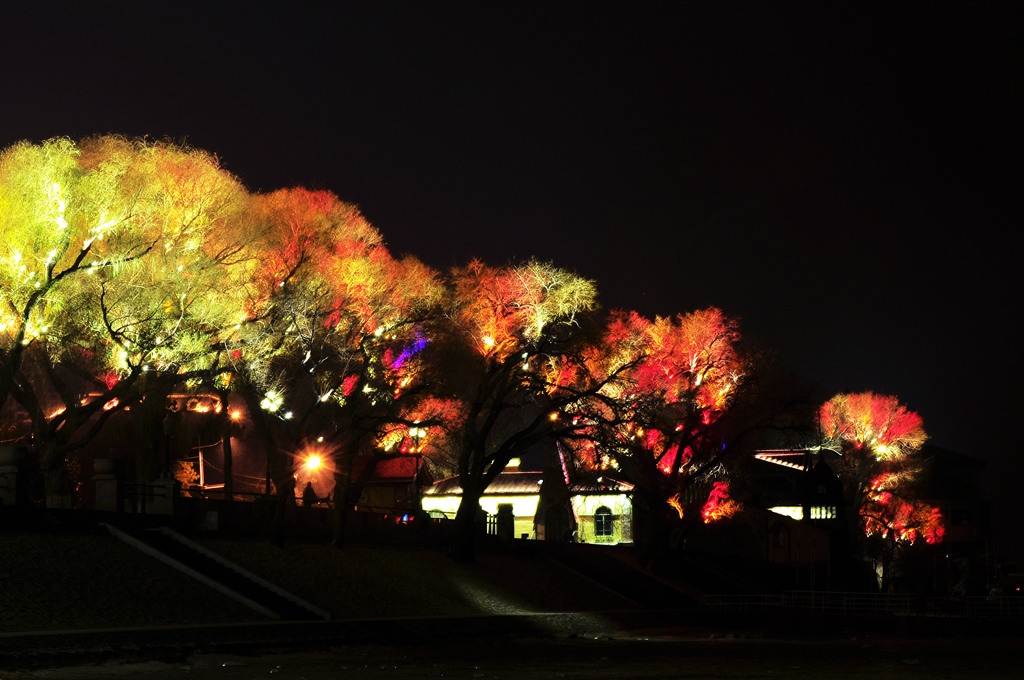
<point x="418" y="436"/>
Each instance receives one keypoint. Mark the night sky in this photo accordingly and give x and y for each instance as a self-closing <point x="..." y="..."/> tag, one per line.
<point x="843" y="179"/>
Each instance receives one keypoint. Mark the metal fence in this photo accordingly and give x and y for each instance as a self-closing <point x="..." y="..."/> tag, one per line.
<point x="144" y="499"/>
<point x="870" y="604"/>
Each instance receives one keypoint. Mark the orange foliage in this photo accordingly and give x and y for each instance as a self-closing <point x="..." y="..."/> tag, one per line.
<point x="309" y="227"/>
<point x="504" y="308"/>
<point x="424" y="427"/>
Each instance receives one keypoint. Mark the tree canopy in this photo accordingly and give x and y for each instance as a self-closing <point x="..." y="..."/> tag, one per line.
<point x="879" y="440"/>
<point x="131" y="268"/>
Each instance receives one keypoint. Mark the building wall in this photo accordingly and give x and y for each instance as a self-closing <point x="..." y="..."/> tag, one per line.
<point x="585" y="507"/>
<point x="524" y="508"/>
<point x="522" y="505"/>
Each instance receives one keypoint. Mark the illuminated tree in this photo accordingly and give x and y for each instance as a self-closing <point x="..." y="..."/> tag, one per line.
<point x="119" y="292"/>
<point x="331" y="357"/>
<point x="662" y="419"/>
<point x="59" y="222"/>
<point x="878" y="441"/>
<point x="877" y="425"/>
<point x="512" y="355"/>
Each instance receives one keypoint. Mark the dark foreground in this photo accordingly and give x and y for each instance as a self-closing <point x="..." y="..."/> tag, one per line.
<point x="635" y="657"/>
<point x="81" y="605"/>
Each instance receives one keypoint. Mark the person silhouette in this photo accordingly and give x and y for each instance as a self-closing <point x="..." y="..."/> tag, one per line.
<point x="309" y="495"/>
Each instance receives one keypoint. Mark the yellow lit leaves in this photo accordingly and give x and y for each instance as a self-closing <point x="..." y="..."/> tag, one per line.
<point x="504" y="308"/>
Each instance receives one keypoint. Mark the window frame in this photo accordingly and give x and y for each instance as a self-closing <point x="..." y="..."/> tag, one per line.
<point x="604" y="522"/>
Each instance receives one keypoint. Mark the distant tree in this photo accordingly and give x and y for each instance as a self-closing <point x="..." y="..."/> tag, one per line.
<point x="511" y="351"/>
<point x="660" y="417"/>
<point x="878" y="441"/>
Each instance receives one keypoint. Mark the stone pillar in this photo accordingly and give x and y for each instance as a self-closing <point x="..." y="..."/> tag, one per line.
<point x="105" y="482"/>
<point x="506" y="521"/>
<point x="9" y="475"/>
<point x="165" y="496"/>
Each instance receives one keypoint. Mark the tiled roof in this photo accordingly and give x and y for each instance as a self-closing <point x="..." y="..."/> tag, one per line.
<point x="598" y="485"/>
<point x="505" y="483"/>
<point x="790" y="458"/>
<point x="399" y="467"/>
<point x="395" y="468"/>
<point x="515" y="482"/>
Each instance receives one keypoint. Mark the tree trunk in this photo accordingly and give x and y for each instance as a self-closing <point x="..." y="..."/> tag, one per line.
<point x="278" y="469"/>
<point x="651" y="529"/>
<point x="464" y="545"/>
<point x="148" y="422"/>
<point x="467" y="526"/>
<point x="225" y="429"/>
<point x="348" y="448"/>
<point x="58" y="486"/>
<point x="342" y="484"/>
<point x="284" y="509"/>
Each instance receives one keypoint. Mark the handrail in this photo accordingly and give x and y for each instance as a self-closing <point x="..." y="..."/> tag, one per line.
<point x="871" y="604"/>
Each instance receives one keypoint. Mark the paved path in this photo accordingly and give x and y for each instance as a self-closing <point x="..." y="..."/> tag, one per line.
<point x="643" y="658"/>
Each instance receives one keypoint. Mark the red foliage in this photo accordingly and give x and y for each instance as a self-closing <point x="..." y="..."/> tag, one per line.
<point x="902" y="520"/>
<point x="891" y="515"/>
<point x="681" y="376"/>
<point x="691" y="356"/>
<point x="719" y="505"/>
<point x="877" y="421"/>
<point x="878" y="439"/>
<point x="674" y="458"/>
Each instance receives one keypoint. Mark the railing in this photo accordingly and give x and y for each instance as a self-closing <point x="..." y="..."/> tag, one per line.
<point x="140" y="498"/>
<point x="870" y="604"/>
<point x="854" y="603"/>
<point x="741" y="603"/>
<point x="219" y="494"/>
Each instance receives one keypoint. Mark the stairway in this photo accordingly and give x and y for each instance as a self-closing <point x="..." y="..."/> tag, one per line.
<point x="205" y="566"/>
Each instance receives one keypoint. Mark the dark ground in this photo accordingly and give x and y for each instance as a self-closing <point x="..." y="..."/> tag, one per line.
<point x="82" y="605"/>
<point x="634" y="657"/>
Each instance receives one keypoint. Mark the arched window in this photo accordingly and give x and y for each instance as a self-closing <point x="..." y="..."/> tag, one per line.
<point x="603" y="524"/>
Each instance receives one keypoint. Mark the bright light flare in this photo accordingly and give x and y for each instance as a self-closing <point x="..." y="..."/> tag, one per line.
<point x="313" y="462"/>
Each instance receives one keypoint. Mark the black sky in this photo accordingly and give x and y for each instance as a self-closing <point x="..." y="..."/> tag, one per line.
<point x="844" y="179"/>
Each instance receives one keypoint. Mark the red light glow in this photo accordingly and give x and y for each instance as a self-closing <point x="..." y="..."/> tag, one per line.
<point x="719" y="505"/>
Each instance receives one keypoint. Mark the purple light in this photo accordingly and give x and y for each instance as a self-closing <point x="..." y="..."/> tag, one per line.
<point x="416" y="347"/>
